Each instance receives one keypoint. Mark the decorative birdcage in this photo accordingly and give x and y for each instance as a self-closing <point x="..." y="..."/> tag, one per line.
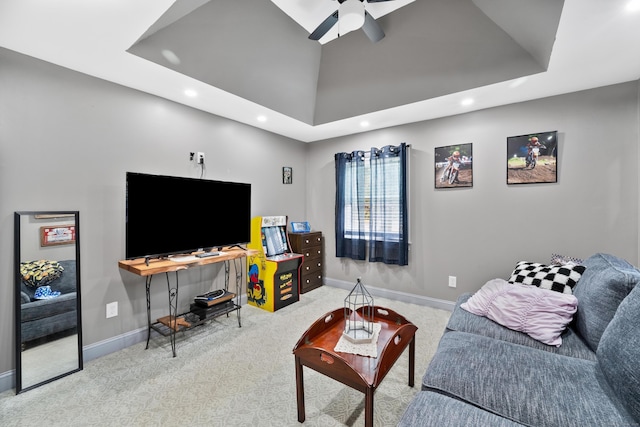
<point x="358" y="315"/>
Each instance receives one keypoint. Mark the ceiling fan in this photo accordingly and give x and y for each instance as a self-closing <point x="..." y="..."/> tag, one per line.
<point x="350" y="16"/>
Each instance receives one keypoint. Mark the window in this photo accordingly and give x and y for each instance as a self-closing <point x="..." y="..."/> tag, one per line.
<point x="371" y="204"/>
<point x="387" y="200"/>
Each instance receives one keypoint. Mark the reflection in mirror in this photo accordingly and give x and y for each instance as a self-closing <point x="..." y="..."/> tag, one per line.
<point x="47" y="295"/>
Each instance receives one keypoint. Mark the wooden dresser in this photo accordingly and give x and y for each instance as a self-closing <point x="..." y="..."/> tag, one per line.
<point x="311" y="246"/>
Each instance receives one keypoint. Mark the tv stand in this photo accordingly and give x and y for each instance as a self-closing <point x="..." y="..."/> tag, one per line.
<point x="197" y="315"/>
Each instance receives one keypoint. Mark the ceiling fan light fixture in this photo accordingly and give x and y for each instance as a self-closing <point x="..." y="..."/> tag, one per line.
<point x="350" y="16"/>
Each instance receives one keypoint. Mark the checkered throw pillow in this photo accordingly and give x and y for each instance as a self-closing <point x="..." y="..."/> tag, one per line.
<point x="559" y="278"/>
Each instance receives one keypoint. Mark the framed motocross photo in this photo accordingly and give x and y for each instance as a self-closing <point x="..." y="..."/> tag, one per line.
<point x="532" y="158"/>
<point x="454" y="166"/>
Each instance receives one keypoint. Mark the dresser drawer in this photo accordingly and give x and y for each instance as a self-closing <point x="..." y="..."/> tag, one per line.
<point x="311" y="265"/>
<point x="310" y="282"/>
<point x="302" y="241"/>
<point x="312" y="252"/>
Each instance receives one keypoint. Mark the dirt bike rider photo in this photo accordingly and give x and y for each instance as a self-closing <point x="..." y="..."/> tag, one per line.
<point x="455" y="157"/>
<point x="531" y="145"/>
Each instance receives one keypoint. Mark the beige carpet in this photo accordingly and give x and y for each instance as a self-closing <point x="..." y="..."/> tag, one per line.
<point x="225" y="376"/>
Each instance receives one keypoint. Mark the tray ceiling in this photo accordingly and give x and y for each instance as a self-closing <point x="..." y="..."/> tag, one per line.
<point x="247" y="59"/>
<point x="432" y="48"/>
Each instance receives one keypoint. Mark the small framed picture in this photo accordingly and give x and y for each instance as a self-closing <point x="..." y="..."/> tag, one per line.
<point x="287" y="175"/>
<point x="454" y="166"/>
<point x="300" y="227"/>
<point x="57" y="235"/>
<point x="532" y="158"/>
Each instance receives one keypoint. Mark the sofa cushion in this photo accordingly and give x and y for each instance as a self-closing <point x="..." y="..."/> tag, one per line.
<point x="464" y="321"/>
<point x="541" y="314"/>
<point x="559" y="278"/>
<point x="606" y="281"/>
<point x="531" y="387"/>
<point x="619" y="352"/>
<point x="435" y="409"/>
<point x="46" y="308"/>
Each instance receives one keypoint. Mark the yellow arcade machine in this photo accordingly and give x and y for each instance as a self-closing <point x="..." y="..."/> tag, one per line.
<point x="274" y="273"/>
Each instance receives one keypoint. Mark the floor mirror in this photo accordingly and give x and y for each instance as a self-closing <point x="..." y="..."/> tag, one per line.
<point x="48" y="320"/>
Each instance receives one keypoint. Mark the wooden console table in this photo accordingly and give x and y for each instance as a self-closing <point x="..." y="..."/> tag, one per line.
<point x="174" y="322"/>
<point x="315" y="349"/>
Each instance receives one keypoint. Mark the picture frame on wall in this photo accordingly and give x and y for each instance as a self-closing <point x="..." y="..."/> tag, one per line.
<point x="453" y="166"/>
<point x="287" y="175"/>
<point x="532" y="158"/>
<point x="51" y="235"/>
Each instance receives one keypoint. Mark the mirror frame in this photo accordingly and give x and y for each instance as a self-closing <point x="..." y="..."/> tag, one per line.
<point x="54" y="215"/>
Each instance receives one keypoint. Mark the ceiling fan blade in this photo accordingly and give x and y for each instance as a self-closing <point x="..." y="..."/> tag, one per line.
<point x="324" y="27"/>
<point x="372" y="29"/>
<point x="377" y="1"/>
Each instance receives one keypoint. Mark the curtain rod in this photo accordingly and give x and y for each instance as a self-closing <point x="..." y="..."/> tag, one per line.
<point x="368" y="153"/>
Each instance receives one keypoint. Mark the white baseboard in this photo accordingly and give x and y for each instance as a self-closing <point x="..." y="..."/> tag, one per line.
<point x="117" y="343"/>
<point x="7" y="380"/>
<point x="395" y="295"/>
<point x="89" y="352"/>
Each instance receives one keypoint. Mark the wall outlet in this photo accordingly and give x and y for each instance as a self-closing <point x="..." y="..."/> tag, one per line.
<point x="452" y="281"/>
<point x="112" y="309"/>
<point x="200" y="158"/>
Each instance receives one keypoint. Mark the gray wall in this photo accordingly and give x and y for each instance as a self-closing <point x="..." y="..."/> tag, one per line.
<point x="480" y="233"/>
<point x="66" y="141"/>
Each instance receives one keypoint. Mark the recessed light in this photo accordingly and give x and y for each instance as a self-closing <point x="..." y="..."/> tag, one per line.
<point x="517" y="82"/>
<point x="190" y="93"/>
<point x="633" y="6"/>
<point x="364" y="124"/>
<point x="466" y="102"/>
<point x="262" y="118"/>
<point x="170" y="56"/>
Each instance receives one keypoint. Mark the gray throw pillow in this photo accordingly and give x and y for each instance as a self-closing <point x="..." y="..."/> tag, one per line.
<point x="606" y="281"/>
<point x="619" y="352"/>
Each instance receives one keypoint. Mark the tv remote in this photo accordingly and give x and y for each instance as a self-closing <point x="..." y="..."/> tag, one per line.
<point x="207" y="254"/>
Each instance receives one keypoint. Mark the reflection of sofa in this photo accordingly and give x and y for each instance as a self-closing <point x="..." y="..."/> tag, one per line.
<point x="49" y="316"/>
<point x="484" y="374"/>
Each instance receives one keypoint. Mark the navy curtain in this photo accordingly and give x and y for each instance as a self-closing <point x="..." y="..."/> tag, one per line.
<point x="350" y="229"/>
<point x="388" y="239"/>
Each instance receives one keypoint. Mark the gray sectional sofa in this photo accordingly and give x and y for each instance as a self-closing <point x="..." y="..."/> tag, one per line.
<point x="484" y="374"/>
<point x="41" y="318"/>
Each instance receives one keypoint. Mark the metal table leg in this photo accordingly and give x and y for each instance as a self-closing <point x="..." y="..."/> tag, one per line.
<point x="173" y="312"/>
<point x="237" y="263"/>
<point x="148" y="286"/>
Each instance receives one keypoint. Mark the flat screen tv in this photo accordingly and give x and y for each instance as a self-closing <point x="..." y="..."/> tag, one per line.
<point x="167" y="215"/>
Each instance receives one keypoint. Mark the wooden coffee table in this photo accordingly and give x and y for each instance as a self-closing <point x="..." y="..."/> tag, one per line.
<point x="315" y="350"/>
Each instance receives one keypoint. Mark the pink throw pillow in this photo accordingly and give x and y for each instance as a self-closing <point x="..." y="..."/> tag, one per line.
<point x="540" y="313"/>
